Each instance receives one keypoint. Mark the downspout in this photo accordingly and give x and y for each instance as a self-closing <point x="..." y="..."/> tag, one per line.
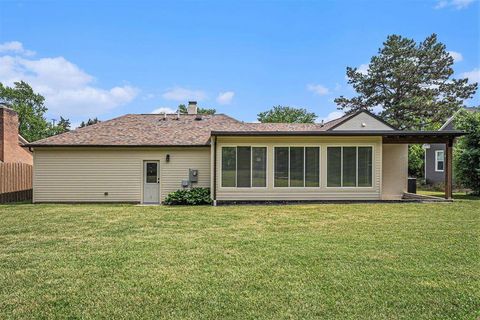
<point x="214" y="191"/>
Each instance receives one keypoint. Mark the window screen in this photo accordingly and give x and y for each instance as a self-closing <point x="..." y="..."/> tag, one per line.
<point x="281" y="167"/>
<point x="296" y="167"/>
<point x="312" y="167"/>
<point x="259" y="167"/>
<point x="349" y="166"/>
<point x="243" y="167"/>
<point x="229" y="166"/>
<point x="334" y="166"/>
<point x="365" y="165"/>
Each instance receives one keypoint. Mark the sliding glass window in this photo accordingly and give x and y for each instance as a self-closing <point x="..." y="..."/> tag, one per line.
<point x="297" y="167"/>
<point x="349" y="166"/>
<point x="244" y="167"/>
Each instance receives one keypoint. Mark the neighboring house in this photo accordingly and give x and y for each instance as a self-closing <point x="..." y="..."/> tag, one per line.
<point x="434" y="162"/>
<point x="12" y="145"/>
<point x="142" y="157"/>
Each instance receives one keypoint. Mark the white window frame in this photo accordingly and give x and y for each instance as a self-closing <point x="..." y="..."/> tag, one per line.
<point x="304" y="167"/>
<point x="251" y="166"/>
<point x="437" y="161"/>
<point x="341" y="146"/>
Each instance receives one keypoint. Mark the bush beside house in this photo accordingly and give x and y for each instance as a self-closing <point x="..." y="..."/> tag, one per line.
<point x="194" y="196"/>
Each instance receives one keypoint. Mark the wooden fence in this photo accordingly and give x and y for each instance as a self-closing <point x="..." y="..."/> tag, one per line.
<point x="15" y="182"/>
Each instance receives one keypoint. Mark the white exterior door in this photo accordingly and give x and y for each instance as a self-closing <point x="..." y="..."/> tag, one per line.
<point x="151" y="182"/>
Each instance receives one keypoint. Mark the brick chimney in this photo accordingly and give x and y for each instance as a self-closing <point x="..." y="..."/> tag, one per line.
<point x="10" y="149"/>
<point x="192" y="107"/>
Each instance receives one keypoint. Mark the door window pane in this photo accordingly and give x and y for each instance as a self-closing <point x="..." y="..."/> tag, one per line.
<point x="312" y="167"/>
<point x="334" y="166"/>
<point x="349" y="166"/>
<point x="229" y="164"/>
<point x="243" y="167"/>
<point x="365" y="163"/>
<point x="152" y="170"/>
<point x="259" y="167"/>
<point x="281" y="167"/>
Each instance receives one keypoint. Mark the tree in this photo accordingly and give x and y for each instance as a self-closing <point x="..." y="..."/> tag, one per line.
<point x="30" y="108"/>
<point x="183" y="109"/>
<point x="467" y="151"/>
<point x="89" y="122"/>
<point x="31" y="112"/>
<point x="416" y="156"/>
<point x="411" y="82"/>
<point x="62" y="126"/>
<point x="285" y="114"/>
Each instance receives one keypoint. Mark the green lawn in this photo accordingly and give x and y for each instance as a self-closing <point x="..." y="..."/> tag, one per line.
<point x="369" y="261"/>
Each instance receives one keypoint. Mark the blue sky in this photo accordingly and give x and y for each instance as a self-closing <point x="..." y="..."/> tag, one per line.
<point x="107" y="58"/>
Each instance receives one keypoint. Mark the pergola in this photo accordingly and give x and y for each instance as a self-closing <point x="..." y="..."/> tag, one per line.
<point x="446" y="137"/>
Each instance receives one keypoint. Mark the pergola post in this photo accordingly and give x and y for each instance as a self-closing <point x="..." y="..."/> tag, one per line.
<point x="448" y="168"/>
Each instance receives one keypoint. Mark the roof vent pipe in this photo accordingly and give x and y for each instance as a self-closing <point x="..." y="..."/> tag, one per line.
<point x="321" y="123"/>
<point x="178" y="114"/>
<point x="164" y="116"/>
<point x="192" y="107"/>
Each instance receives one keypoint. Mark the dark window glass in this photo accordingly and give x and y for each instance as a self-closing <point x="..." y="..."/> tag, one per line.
<point x="334" y="166"/>
<point x="440" y="160"/>
<point x="296" y="167"/>
<point x="243" y="167"/>
<point x="259" y="167"/>
<point x="152" y="170"/>
<point x="349" y="166"/>
<point x="365" y="164"/>
<point x="312" y="166"/>
<point x="281" y="167"/>
<point x="229" y="164"/>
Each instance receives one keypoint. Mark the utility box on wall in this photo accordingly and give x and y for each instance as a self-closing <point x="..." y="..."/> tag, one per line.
<point x="193" y="175"/>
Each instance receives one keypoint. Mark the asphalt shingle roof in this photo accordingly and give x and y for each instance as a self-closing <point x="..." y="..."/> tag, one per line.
<point x="158" y="130"/>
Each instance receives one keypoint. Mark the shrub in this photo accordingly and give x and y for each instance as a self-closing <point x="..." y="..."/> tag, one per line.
<point x="467" y="153"/>
<point x="415" y="160"/>
<point x="192" y="197"/>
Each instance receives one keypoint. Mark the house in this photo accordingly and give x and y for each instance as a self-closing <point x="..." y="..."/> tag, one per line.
<point x="12" y="145"/>
<point x="434" y="162"/>
<point x="141" y="158"/>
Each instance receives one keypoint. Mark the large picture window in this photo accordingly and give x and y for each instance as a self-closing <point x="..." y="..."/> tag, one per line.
<point x="244" y="167"/>
<point x="297" y="167"/>
<point x="349" y="166"/>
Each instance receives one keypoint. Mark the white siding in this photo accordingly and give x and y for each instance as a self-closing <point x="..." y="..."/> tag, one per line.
<point x="361" y="119"/>
<point x="85" y="174"/>
<point x="321" y="193"/>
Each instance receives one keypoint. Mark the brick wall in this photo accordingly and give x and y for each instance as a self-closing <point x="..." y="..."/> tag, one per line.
<point x="10" y="149"/>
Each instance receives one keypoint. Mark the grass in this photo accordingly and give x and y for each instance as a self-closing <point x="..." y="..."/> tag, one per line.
<point x="355" y="261"/>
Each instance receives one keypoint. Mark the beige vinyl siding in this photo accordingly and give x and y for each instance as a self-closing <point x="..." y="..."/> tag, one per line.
<point x="356" y="123"/>
<point x="395" y="171"/>
<point x="302" y="193"/>
<point x="85" y="174"/>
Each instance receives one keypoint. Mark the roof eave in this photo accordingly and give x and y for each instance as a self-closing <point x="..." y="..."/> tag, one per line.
<point x="451" y="133"/>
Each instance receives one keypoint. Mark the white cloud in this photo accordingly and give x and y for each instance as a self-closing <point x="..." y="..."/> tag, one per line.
<point x="457" y="56"/>
<point x="318" y="89"/>
<point x="363" y="68"/>
<point x="164" y="110"/>
<point x="225" y="97"/>
<point x="332" y="116"/>
<point x="473" y="76"/>
<point x="183" y="94"/>
<point x="16" y="48"/>
<point x="457" y="4"/>
<point x="68" y="90"/>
